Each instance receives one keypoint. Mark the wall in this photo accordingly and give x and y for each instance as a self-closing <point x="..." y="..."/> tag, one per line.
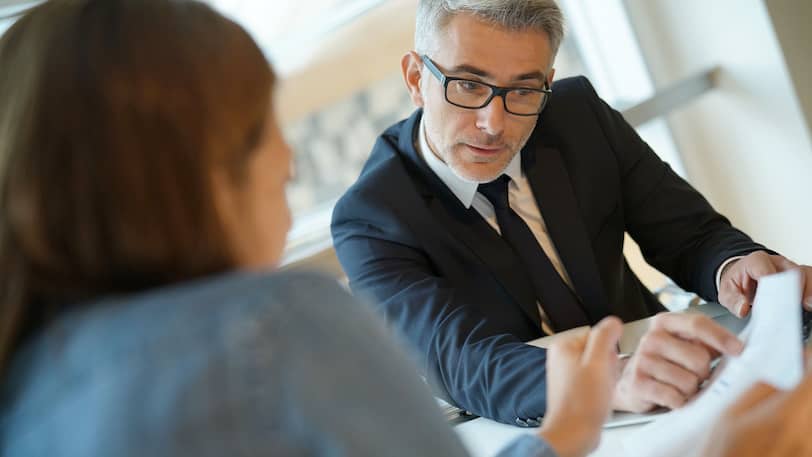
<point x="746" y="145"/>
<point x="791" y="20"/>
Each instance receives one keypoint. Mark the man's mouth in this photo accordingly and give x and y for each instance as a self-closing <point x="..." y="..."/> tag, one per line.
<point x="485" y="150"/>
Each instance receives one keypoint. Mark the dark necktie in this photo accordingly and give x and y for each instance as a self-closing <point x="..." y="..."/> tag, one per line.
<point x="558" y="301"/>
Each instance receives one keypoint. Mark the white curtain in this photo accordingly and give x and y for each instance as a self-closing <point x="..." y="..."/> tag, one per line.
<point x="12" y="6"/>
<point x="9" y="9"/>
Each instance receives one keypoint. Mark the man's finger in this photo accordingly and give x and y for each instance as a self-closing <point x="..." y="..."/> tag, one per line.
<point x="753" y="267"/>
<point x="700" y="328"/>
<point x="733" y="298"/>
<point x="686" y="382"/>
<point x="747" y="289"/>
<point x="758" y="266"/>
<point x="661" y="394"/>
<point x="736" y="293"/>
<point x="692" y="356"/>
<point x="744" y="309"/>
<point x="783" y="263"/>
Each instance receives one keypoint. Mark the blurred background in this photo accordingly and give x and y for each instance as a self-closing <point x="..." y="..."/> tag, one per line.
<point x="720" y="89"/>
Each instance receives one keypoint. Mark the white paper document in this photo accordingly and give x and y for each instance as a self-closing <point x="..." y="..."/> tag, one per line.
<point x="773" y="353"/>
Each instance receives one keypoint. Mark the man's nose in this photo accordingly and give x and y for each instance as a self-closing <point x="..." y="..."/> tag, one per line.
<point x="491" y="117"/>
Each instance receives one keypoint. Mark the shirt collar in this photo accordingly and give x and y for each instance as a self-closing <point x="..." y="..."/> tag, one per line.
<point x="462" y="188"/>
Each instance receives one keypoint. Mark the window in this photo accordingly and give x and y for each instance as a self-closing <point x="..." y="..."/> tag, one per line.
<point x="333" y="118"/>
<point x="339" y="63"/>
<point x="608" y="46"/>
<point x="333" y="134"/>
<point x="8" y="8"/>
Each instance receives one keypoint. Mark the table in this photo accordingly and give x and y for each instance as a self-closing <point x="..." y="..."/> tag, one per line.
<point x="484" y="437"/>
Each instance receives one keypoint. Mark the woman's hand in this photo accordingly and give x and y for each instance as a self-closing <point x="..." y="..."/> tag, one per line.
<point x="766" y="422"/>
<point x="582" y="371"/>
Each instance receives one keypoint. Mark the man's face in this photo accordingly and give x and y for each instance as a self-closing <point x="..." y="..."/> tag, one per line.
<point x="479" y="143"/>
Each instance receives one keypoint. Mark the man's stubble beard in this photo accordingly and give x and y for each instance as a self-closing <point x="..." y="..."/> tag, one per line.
<point x="457" y="169"/>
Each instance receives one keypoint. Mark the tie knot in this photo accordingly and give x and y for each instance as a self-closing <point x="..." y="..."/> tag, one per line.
<point x="496" y="191"/>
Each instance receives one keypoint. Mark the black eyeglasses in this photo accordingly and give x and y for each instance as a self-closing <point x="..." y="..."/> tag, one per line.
<point x="521" y="101"/>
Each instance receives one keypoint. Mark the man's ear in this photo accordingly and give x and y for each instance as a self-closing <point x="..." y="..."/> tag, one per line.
<point x="550" y="77"/>
<point x="412" y="66"/>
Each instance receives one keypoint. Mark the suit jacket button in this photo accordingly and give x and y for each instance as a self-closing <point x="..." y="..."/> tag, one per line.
<point x="520" y="422"/>
<point x="533" y="422"/>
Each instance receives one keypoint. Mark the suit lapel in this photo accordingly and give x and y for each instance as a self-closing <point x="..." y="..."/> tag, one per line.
<point x="468" y="226"/>
<point x="550" y="182"/>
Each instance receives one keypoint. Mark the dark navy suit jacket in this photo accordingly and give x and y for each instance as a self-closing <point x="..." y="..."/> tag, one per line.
<point x="455" y="289"/>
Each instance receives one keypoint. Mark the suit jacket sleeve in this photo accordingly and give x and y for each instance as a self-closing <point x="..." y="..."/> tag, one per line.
<point x="465" y="356"/>
<point x="678" y="231"/>
<point x="345" y="374"/>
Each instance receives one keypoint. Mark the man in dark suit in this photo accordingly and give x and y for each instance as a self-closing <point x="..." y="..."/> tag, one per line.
<point x="495" y="214"/>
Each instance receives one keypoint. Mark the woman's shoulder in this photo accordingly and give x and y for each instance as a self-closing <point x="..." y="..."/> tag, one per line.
<point x="197" y="312"/>
<point x="148" y="359"/>
<point x="287" y="354"/>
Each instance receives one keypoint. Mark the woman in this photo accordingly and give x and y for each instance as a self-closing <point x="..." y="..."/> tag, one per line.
<point x="142" y="179"/>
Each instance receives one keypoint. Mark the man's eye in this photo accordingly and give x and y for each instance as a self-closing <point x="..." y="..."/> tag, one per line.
<point x="470" y="86"/>
<point x="525" y="92"/>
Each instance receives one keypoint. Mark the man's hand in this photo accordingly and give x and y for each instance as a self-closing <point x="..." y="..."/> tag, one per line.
<point x="672" y="360"/>
<point x="765" y="422"/>
<point x="737" y="285"/>
<point x="581" y="376"/>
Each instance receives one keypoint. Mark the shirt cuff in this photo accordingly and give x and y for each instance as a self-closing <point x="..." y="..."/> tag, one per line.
<point x="722" y="268"/>
<point x="528" y="446"/>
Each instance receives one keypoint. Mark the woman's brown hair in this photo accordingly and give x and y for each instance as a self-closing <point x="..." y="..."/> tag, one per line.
<point x="113" y="116"/>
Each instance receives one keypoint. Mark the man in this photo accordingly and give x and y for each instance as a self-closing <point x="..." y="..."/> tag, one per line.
<point x="495" y="214"/>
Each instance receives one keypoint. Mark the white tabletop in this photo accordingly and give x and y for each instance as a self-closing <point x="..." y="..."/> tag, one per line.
<point x="484" y="437"/>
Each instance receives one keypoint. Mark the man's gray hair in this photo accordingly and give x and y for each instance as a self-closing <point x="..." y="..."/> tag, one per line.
<point x="520" y="15"/>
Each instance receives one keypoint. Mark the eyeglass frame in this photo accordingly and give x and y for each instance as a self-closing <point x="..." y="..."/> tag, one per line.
<point x="496" y="91"/>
